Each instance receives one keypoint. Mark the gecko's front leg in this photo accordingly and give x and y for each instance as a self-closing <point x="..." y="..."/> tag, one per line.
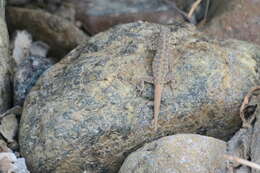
<point x="147" y="79"/>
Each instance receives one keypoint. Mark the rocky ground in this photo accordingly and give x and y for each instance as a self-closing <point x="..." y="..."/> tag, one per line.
<point x="71" y="99"/>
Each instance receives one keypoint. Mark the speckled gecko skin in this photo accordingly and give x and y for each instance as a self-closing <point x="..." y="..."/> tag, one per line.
<point x="161" y="68"/>
<point x="164" y="44"/>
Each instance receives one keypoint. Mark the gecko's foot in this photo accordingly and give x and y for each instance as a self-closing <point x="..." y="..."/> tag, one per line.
<point x="140" y="85"/>
<point x="140" y="88"/>
<point x="154" y="125"/>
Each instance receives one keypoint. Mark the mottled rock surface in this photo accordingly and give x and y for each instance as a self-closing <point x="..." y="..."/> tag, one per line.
<point x="5" y="88"/>
<point x="86" y="113"/>
<point x="180" y="153"/>
<point x="58" y="33"/>
<point x="27" y="74"/>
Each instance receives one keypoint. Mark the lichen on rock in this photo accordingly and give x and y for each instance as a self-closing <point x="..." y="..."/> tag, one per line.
<point x="86" y="113"/>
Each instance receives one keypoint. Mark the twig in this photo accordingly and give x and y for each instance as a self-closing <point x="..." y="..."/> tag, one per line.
<point x="182" y="13"/>
<point x="245" y="104"/>
<point x="205" y="14"/>
<point x="206" y="11"/>
<point x="194" y="7"/>
<point x="242" y="161"/>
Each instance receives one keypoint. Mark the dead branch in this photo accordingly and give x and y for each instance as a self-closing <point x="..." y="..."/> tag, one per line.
<point x="242" y="161"/>
<point x="194" y="7"/>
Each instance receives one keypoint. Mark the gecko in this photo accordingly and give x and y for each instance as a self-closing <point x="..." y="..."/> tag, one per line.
<point x="161" y="68"/>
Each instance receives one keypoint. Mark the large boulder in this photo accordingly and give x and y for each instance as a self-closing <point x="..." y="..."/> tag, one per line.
<point x="86" y="113"/>
<point x="180" y="153"/>
<point x="5" y="88"/>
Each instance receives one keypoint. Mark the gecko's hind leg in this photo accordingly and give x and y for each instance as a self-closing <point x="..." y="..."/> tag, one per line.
<point x="169" y="79"/>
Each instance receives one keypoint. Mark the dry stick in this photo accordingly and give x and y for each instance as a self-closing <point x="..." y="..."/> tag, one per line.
<point x="244" y="104"/>
<point x="242" y="161"/>
<point x="173" y="5"/>
<point x="206" y="11"/>
<point x="205" y="14"/>
<point x="245" y="124"/>
<point x="194" y="7"/>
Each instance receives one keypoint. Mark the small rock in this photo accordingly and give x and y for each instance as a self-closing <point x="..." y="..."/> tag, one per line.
<point x="20" y="166"/>
<point x="9" y="127"/>
<point x="30" y="64"/>
<point x="21" y="46"/>
<point x="9" y="124"/>
<point x="26" y="76"/>
<point x="9" y="163"/>
<point x="181" y="153"/>
<point x="3" y="147"/>
<point x="39" y="48"/>
<point x="58" y="33"/>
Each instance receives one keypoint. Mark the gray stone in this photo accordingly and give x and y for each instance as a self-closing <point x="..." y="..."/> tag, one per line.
<point x="61" y="35"/>
<point x="180" y="153"/>
<point x="27" y="74"/>
<point x="5" y="88"/>
<point x="86" y="113"/>
<point x="9" y="126"/>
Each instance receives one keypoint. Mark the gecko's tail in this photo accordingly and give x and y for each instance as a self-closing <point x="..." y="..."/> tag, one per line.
<point x="157" y="103"/>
